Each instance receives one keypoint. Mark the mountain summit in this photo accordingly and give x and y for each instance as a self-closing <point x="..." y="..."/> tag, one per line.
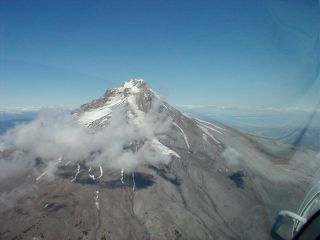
<point x="152" y="172"/>
<point x="135" y="93"/>
<point x="143" y="109"/>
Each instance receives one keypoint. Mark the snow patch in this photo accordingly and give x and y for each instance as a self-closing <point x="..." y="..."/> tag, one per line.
<point x="101" y="171"/>
<point x="96" y="198"/>
<point x="89" y="117"/>
<point x="122" y="175"/>
<point x="162" y="148"/>
<point x="204" y="137"/>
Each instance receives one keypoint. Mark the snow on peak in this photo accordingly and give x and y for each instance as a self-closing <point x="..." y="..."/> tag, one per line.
<point x="127" y="93"/>
<point x="132" y="86"/>
<point x="133" y="82"/>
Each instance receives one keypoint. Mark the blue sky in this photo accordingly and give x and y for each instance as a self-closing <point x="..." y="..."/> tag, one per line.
<point x="221" y="53"/>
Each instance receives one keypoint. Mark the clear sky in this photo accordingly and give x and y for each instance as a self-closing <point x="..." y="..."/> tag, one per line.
<point x="216" y="52"/>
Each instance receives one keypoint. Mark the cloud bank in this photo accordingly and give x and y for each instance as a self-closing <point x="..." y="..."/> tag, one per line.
<point x="123" y="143"/>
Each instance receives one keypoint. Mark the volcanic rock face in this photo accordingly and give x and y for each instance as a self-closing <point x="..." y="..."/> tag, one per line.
<point x="207" y="182"/>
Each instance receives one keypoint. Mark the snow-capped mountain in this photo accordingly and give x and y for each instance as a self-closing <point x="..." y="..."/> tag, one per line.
<point x="177" y="178"/>
<point x="143" y="108"/>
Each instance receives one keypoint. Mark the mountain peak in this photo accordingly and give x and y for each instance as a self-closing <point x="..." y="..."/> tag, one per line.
<point x="129" y="87"/>
<point x="134" y="82"/>
<point x="135" y="93"/>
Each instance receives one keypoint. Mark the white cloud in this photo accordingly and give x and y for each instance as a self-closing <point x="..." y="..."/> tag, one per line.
<point x="55" y="133"/>
<point x="231" y="157"/>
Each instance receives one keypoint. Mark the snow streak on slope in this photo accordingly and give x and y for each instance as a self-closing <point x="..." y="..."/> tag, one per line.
<point x="41" y="175"/>
<point x="122" y="175"/>
<point x="78" y="171"/>
<point x="49" y="169"/>
<point x="96" y="198"/>
<point x="183" y="134"/>
<point x="208" y="123"/>
<point x="205" y="126"/>
<point x="213" y="129"/>
<point x="101" y="171"/>
<point x="134" y="182"/>
<point x="207" y="132"/>
<point x="67" y="163"/>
